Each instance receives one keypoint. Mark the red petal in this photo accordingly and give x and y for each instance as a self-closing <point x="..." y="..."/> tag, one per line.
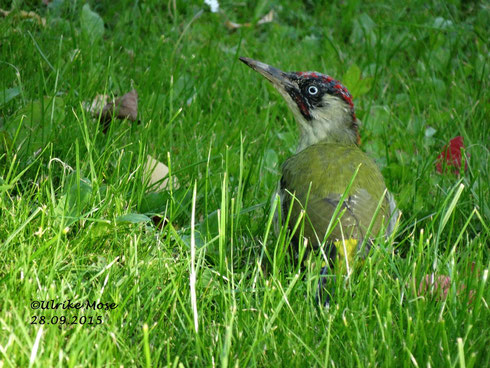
<point x="451" y="154"/>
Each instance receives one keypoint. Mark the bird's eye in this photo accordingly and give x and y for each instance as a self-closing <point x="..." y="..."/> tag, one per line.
<point x="312" y="90"/>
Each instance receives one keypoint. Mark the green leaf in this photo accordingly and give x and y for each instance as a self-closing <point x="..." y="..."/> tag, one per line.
<point x="154" y="202"/>
<point x="271" y="160"/>
<point x="132" y="218"/>
<point x="206" y="279"/>
<point x="78" y="196"/>
<point x="352" y="80"/>
<point x="289" y="139"/>
<point x="442" y="24"/>
<point x="92" y="24"/>
<point x="364" y="86"/>
<point x="352" y="76"/>
<point x="199" y="240"/>
<point x="72" y="203"/>
<point x="100" y="230"/>
<point x="8" y="94"/>
<point x="40" y="124"/>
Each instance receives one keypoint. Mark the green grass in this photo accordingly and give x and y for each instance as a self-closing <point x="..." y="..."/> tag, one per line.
<point x="224" y="131"/>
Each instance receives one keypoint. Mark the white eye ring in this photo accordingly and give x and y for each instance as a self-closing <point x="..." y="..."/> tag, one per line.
<point x="312" y="90"/>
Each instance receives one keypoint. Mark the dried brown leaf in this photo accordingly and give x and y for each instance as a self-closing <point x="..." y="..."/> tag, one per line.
<point x="124" y="107"/>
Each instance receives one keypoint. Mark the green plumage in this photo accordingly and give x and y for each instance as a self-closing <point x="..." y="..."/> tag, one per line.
<point x="318" y="176"/>
<point x="319" y="180"/>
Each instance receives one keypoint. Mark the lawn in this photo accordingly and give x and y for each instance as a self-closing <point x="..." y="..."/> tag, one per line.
<point x="99" y="268"/>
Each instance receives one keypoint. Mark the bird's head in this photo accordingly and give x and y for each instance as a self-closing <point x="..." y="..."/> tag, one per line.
<point x="322" y="105"/>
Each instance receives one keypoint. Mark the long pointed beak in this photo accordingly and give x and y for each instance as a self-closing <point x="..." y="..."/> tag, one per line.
<point x="285" y="83"/>
<point x="277" y="77"/>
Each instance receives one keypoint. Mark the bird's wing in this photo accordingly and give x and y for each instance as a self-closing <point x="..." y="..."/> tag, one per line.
<point x="318" y="176"/>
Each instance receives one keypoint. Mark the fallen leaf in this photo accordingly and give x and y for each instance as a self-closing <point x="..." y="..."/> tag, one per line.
<point x="36" y="124"/>
<point x="31" y="15"/>
<point x="132" y="218"/>
<point x="356" y="84"/>
<point x="8" y="94"/>
<point x="269" y="17"/>
<point x="91" y="23"/>
<point x="71" y="205"/>
<point x="97" y="105"/>
<point x="25" y="15"/>
<point x="232" y="25"/>
<point x="438" y="286"/>
<point x="157" y="175"/>
<point x="451" y="156"/>
<point x="124" y="107"/>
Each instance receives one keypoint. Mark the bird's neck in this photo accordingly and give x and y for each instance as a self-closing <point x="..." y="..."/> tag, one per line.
<point x="333" y="129"/>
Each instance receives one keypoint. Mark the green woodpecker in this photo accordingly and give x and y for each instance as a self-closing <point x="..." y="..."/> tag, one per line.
<point x="314" y="179"/>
